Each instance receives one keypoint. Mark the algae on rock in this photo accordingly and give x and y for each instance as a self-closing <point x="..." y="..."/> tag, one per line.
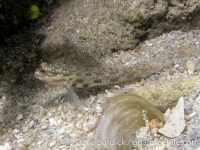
<point x="165" y="94"/>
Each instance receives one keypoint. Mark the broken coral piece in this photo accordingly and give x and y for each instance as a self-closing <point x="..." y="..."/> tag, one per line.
<point x="175" y="122"/>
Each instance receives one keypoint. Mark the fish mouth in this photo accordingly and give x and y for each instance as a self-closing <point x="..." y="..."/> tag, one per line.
<point x="39" y="75"/>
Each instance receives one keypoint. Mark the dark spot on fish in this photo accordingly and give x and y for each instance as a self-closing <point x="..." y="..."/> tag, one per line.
<point x="97" y="81"/>
<point x="74" y="84"/>
<point x="111" y="72"/>
<point x="79" y="80"/>
<point x="78" y="74"/>
<point x="88" y="74"/>
<point x="114" y="79"/>
<point x="100" y="73"/>
<point x="129" y="76"/>
<point x="85" y="85"/>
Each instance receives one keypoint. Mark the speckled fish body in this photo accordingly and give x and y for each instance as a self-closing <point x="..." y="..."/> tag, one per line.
<point x="90" y="77"/>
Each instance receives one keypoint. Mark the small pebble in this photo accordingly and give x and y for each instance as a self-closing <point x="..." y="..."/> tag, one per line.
<point x="190" y="116"/>
<point x="25" y="129"/>
<point x="117" y="87"/>
<point x="142" y="82"/>
<point x="59" y="108"/>
<point x="61" y="130"/>
<point x="99" y="109"/>
<point x="149" y="44"/>
<point x="109" y="94"/>
<point x="176" y="66"/>
<point x="52" y="121"/>
<point x="51" y="144"/>
<point x="90" y="135"/>
<point x="19" y="117"/>
<point x="5" y="146"/>
<point x="73" y="135"/>
<point x="44" y="127"/>
<point x="15" y="131"/>
<point x="190" y="72"/>
<point x="92" y="122"/>
<point x="31" y="124"/>
<point x="171" y="72"/>
<point x="146" y="56"/>
<point x="169" y="77"/>
<point x="190" y="65"/>
<point x="20" y="140"/>
<point x="3" y="98"/>
<point x="53" y="110"/>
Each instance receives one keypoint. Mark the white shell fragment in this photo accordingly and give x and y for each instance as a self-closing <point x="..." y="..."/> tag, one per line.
<point x="175" y="122"/>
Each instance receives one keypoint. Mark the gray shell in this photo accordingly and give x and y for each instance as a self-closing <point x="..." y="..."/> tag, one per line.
<point x="122" y="118"/>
